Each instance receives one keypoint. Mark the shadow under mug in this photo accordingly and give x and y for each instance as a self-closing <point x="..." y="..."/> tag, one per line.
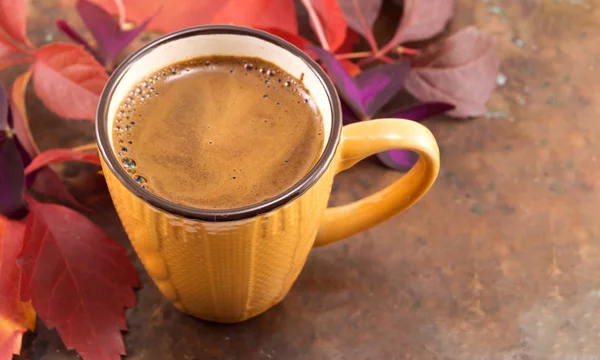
<point x="231" y="265"/>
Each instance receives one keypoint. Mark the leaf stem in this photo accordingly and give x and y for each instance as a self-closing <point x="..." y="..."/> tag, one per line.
<point x="354" y="55"/>
<point x="317" y="26"/>
<point x="91" y="147"/>
<point x="25" y="60"/>
<point x="74" y="35"/>
<point x="406" y="51"/>
<point x="367" y="29"/>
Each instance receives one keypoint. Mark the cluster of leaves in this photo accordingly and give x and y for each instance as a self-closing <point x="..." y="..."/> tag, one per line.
<point x="62" y="267"/>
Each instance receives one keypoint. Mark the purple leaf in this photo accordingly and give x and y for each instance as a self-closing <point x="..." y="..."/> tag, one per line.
<point x="74" y="35"/>
<point x="421" y="111"/>
<point x="348" y="116"/>
<point x="379" y="84"/>
<point x="421" y="19"/>
<point x="361" y="15"/>
<point x="403" y="160"/>
<point x="110" y="38"/>
<point x="12" y="175"/>
<point x="461" y="70"/>
<point x="346" y="86"/>
<point x="368" y="91"/>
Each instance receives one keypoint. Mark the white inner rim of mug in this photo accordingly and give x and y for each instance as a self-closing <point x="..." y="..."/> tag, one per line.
<point x="205" y="45"/>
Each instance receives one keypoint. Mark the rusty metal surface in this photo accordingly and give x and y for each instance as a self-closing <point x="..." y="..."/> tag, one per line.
<point x="500" y="261"/>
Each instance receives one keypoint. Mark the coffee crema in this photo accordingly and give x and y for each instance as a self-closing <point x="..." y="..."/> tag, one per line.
<point x="218" y="132"/>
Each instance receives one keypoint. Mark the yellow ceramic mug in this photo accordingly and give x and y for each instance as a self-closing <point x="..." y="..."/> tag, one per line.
<point x="231" y="265"/>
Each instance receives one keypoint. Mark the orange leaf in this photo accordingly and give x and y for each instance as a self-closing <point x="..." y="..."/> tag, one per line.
<point x="68" y="80"/>
<point x="19" y="113"/>
<point x="180" y="14"/>
<point x="12" y="19"/>
<point x="16" y="316"/>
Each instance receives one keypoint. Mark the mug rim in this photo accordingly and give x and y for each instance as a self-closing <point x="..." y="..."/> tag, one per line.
<point x="212" y="215"/>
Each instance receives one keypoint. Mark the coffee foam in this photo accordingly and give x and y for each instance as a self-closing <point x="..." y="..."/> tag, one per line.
<point x="218" y="132"/>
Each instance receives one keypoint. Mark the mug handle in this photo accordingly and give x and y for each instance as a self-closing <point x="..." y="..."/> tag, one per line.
<point x="360" y="140"/>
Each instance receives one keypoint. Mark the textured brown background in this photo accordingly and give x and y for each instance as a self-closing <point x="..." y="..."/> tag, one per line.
<point x="500" y="261"/>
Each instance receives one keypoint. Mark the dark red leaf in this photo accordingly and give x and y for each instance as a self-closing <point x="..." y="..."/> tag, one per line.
<point x="361" y="15"/>
<point x="421" y="19"/>
<point x="110" y="38"/>
<point x="328" y="22"/>
<point x="59" y="155"/>
<point x="352" y="39"/>
<point x="12" y="19"/>
<point x="12" y="178"/>
<point x="4" y="123"/>
<point x="68" y="80"/>
<point x="461" y="71"/>
<point x="78" y="280"/>
<point x="403" y="160"/>
<point x="280" y="14"/>
<point x="16" y="316"/>
<point x="46" y="182"/>
<point x="368" y="91"/>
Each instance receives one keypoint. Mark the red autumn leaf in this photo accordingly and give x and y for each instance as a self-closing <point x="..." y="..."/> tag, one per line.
<point x="461" y="71"/>
<point x="16" y="316"/>
<point x="78" y="279"/>
<point x="68" y="80"/>
<point x="274" y="15"/>
<point x="19" y="114"/>
<point x="351" y="40"/>
<point x="12" y="19"/>
<point x="294" y="39"/>
<point x="421" y="19"/>
<point x="327" y="21"/>
<point x="280" y="14"/>
<point x="59" y="155"/>
<point x="7" y="52"/>
<point x="48" y="183"/>
<point x="361" y="15"/>
<point x="10" y="54"/>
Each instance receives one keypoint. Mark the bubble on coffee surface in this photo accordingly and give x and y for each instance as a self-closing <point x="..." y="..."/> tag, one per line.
<point x="128" y="162"/>
<point x="140" y="179"/>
